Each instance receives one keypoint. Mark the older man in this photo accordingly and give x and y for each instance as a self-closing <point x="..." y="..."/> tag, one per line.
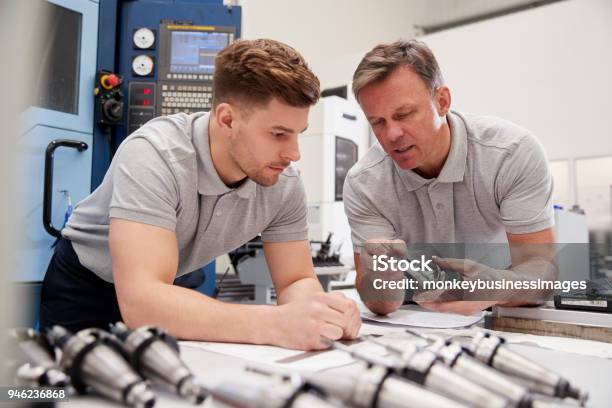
<point x="439" y="176"/>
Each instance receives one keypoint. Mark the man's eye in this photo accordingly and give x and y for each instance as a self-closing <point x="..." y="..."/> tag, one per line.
<point x="278" y="134"/>
<point x="402" y="116"/>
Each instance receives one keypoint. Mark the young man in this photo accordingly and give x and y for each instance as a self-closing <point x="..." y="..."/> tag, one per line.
<point x="184" y="189"/>
<point x="439" y="176"/>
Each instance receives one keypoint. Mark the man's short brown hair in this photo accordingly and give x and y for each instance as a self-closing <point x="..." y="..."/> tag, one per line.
<point x="252" y="72"/>
<point x="377" y="64"/>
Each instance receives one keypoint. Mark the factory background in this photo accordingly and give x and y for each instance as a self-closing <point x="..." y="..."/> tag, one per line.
<point x="541" y="64"/>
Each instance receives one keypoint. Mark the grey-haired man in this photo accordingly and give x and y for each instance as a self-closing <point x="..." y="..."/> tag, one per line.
<point x="439" y="176"/>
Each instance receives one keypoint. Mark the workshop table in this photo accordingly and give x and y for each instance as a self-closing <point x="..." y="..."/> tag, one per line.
<point x="591" y="373"/>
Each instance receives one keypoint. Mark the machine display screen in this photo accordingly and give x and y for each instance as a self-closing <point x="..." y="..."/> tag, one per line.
<point x="193" y="52"/>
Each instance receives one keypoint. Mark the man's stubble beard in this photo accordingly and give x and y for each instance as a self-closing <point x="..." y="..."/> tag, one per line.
<point x="248" y="165"/>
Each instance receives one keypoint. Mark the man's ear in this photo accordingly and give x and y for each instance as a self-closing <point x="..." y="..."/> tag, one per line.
<point x="225" y="115"/>
<point x="443" y="100"/>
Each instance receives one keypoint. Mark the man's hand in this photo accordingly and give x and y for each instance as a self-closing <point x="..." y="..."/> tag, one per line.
<point x="352" y="317"/>
<point x="302" y="323"/>
<point x="378" y="300"/>
<point x="305" y="313"/>
<point x="474" y="301"/>
<point x="445" y="301"/>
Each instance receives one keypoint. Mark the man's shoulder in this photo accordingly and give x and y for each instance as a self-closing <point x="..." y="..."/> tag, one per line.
<point x="171" y="136"/>
<point x="375" y="163"/>
<point x="498" y="145"/>
<point x="494" y="133"/>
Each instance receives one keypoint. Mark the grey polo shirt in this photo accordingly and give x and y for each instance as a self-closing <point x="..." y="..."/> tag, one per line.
<point x="163" y="175"/>
<point x="495" y="180"/>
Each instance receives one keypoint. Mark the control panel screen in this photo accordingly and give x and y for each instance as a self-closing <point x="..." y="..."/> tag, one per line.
<point x="193" y="52"/>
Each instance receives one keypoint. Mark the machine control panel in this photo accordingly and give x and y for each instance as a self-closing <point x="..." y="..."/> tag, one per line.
<point x="144" y="38"/>
<point x="176" y="98"/>
<point x="182" y="71"/>
<point x="187" y="64"/>
<point x="165" y="53"/>
<point x="141" y="104"/>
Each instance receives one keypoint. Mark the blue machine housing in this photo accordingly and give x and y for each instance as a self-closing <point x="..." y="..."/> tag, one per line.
<point x="120" y="19"/>
<point x="106" y="29"/>
<point x="41" y="124"/>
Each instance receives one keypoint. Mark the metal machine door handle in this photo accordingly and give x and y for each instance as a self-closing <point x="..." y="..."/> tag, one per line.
<point x="48" y="189"/>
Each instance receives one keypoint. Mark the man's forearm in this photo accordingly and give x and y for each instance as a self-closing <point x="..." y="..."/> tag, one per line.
<point x="300" y="289"/>
<point x="530" y="270"/>
<point x="536" y="268"/>
<point x="190" y="315"/>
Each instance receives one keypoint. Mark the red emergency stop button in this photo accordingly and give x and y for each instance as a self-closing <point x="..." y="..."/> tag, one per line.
<point x="109" y="81"/>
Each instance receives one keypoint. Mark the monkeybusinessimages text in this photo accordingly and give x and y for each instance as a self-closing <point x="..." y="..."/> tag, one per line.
<point x="416" y="268"/>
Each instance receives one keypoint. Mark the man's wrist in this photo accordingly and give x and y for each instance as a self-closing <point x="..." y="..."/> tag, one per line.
<point x="300" y="289"/>
<point x="266" y="328"/>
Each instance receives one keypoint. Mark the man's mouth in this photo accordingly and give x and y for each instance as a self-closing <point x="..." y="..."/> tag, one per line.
<point x="278" y="169"/>
<point x="403" y="149"/>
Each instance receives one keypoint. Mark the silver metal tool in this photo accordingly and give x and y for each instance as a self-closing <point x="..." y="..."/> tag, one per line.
<point x="423" y="367"/>
<point x="460" y="359"/>
<point x="37" y="359"/>
<point x="491" y="350"/>
<point x="283" y="392"/>
<point x="374" y="386"/>
<point x="155" y="355"/>
<point x="94" y="360"/>
<point x="29" y="375"/>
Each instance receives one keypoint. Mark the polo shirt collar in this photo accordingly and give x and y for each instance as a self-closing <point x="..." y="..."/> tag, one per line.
<point x="209" y="182"/>
<point x="454" y="166"/>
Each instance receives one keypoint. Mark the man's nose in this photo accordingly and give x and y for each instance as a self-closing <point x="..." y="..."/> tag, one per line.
<point x="291" y="152"/>
<point x="393" y="132"/>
